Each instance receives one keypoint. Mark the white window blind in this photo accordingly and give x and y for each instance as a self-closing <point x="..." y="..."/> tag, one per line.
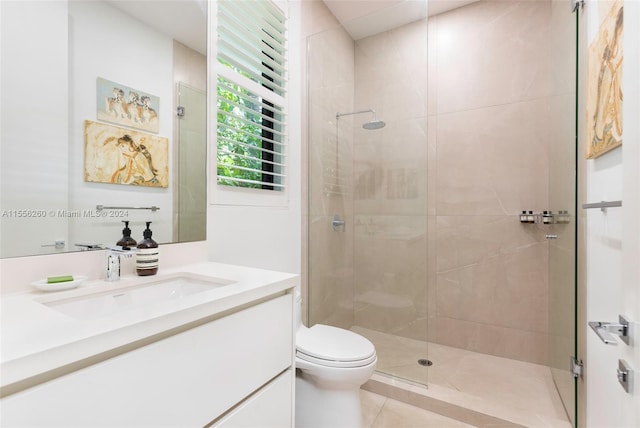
<point x="251" y="95"/>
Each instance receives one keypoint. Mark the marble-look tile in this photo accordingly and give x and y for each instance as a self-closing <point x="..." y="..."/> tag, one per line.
<point x="510" y="382"/>
<point x="561" y="282"/>
<point x="505" y="290"/>
<point x="432" y="271"/>
<point x="479" y="411"/>
<point x="491" y="53"/>
<point x="493" y="161"/>
<point x="390" y="271"/>
<point x="432" y="66"/>
<point x="330" y="274"/>
<point x="417" y="329"/>
<point x="494" y="340"/>
<point x="491" y="287"/>
<point x="330" y="148"/>
<point x="470" y="240"/>
<point x="330" y="59"/>
<point x="387" y="66"/>
<point x="562" y="182"/>
<point x="371" y="404"/>
<point x="398" y="414"/>
<point x="396" y="354"/>
<point x="391" y="168"/>
<point x="432" y="165"/>
<point x="562" y="50"/>
<point x="562" y="311"/>
<point x="517" y="391"/>
<point x="317" y="17"/>
<point x="390" y="163"/>
<point x="443" y="401"/>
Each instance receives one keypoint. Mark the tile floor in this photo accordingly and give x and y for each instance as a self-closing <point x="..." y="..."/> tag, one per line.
<point x="379" y="412"/>
<point x="515" y="391"/>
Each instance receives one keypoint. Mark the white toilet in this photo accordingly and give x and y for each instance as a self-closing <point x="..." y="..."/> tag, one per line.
<point x="331" y="365"/>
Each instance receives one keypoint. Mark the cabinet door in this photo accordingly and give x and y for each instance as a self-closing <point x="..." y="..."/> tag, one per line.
<point x="271" y="407"/>
<point x="185" y="380"/>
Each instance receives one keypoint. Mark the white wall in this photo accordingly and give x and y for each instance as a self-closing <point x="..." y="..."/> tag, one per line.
<point x="604" y="252"/>
<point x="630" y="281"/>
<point x="612" y="272"/>
<point x="104" y="42"/>
<point x="265" y="236"/>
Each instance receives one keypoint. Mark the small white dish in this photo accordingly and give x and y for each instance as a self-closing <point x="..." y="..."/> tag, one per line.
<point x="43" y="285"/>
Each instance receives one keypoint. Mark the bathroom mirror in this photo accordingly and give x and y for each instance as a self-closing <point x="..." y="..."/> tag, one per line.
<point x="124" y="67"/>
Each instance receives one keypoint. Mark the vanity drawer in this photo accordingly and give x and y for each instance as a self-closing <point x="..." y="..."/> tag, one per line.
<point x="270" y="407"/>
<point x="188" y="379"/>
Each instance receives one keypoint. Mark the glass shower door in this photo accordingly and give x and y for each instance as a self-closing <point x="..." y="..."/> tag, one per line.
<point x="369" y="274"/>
<point x="191" y="217"/>
<point x="561" y="234"/>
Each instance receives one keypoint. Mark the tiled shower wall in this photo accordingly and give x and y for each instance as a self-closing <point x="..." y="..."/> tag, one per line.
<point x="459" y="270"/>
<point x="390" y="200"/>
<point x="491" y="84"/>
<point x="433" y="248"/>
<point x="330" y="76"/>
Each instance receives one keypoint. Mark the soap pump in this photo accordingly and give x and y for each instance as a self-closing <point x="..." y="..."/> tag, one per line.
<point x="147" y="255"/>
<point x="126" y="241"/>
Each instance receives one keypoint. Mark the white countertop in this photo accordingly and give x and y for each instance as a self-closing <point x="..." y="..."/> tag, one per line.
<point x="37" y="339"/>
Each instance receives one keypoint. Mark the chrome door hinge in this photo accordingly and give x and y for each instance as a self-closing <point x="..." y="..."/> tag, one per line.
<point x="576" y="4"/>
<point x="577" y="367"/>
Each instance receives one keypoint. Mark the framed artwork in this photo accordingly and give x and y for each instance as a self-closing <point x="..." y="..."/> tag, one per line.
<point x="123" y="156"/>
<point x="604" y="78"/>
<point x="122" y="105"/>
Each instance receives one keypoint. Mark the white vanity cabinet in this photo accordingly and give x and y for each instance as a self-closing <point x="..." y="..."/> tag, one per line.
<point x="234" y="370"/>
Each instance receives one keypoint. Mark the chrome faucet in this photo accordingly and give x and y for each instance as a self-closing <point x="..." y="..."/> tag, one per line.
<point x="113" y="262"/>
<point x="89" y="247"/>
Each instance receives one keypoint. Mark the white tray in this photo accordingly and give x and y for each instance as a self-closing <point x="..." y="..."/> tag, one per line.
<point x="58" y="286"/>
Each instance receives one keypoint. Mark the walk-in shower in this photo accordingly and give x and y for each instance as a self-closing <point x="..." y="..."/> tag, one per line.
<point x="428" y="258"/>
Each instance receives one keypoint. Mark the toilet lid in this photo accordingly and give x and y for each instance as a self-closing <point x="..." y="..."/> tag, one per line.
<point x="324" y="342"/>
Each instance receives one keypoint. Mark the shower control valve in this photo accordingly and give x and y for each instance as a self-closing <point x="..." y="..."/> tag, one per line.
<point x="337" y="223"/>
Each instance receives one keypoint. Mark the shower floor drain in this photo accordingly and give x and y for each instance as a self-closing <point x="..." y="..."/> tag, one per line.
<point x="425" y="362"/>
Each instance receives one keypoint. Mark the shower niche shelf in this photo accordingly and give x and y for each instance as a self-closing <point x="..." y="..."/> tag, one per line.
<point x="545" y="217"/>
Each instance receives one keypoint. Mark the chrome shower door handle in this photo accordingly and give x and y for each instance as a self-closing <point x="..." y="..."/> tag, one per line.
<point x="337" y="223"/>
<point x="604" y="330"/>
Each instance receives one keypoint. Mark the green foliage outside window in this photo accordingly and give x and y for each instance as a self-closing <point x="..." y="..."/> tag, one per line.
<point x="239" y="136"/>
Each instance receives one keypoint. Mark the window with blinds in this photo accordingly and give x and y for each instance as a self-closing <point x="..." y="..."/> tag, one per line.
<point x="251" y="95"/>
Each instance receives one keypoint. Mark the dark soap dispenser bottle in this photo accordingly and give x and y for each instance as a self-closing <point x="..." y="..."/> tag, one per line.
<point x="147" y="255"/>
<point x="126" y="241"/>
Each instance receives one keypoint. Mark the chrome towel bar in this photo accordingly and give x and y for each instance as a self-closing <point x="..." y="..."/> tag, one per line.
<point x="602" y="205"/>
<point x="102" y="207"/>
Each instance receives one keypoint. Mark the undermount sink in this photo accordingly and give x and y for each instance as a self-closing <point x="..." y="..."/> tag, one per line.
<point x="101" y="304"/>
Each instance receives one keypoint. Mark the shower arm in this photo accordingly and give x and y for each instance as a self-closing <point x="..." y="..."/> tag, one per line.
<point x="338" y="115"/>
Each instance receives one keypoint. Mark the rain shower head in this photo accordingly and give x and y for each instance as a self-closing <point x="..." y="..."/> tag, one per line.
<point x="372" y="124"/>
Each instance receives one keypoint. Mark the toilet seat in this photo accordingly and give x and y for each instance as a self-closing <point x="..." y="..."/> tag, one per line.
<point x="334" y="347"/>
<point x="336" y="364"/>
